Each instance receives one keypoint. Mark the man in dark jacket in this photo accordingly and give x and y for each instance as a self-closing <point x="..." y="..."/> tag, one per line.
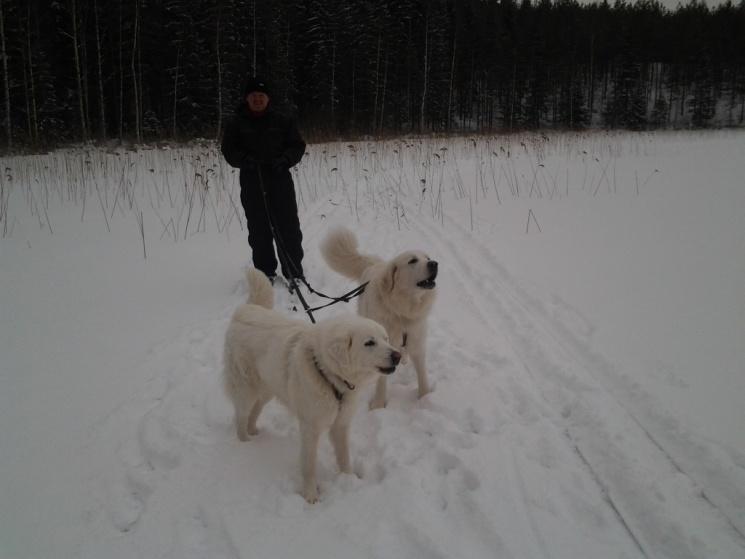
<point x="264" y="144"/>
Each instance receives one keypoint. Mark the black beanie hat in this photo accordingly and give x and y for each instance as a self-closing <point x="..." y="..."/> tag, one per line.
<point x="256" y="84"/>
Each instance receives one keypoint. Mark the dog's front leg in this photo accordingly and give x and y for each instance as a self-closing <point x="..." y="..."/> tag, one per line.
<point x="380" y="397"/>
<point x="339" y="435"/>
<point x="417" y="358"/>
<point x="308" y="450"/>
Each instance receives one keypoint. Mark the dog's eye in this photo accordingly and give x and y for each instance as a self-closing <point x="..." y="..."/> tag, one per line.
<point x="370" y="343"/>
<point x="414" y="260"/>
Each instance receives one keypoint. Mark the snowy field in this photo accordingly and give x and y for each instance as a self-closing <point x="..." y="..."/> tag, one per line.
<point x="586" y="348"/>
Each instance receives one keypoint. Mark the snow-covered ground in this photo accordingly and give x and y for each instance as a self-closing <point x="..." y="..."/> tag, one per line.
<point x="586" y="350"/>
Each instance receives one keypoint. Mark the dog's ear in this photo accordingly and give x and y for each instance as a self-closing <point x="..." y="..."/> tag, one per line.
<point x="389" y="278"/>
<point x="339" y="350"/>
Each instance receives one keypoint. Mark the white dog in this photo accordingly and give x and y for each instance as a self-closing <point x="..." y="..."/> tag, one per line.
<point x="314" y="370"/>
<point x="399" y="296"/>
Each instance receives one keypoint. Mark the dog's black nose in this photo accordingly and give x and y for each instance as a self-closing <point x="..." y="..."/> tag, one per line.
<point x="432" y="266"/>
<point x="395" y="357"/>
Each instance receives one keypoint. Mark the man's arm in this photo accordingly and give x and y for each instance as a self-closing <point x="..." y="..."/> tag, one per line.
<point x="231" y="144"/>
<point x="294" y="145"/>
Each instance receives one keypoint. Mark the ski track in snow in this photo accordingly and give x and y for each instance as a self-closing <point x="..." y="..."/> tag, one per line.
<point x="546" y="460"/>
<point x="556" y="359"/>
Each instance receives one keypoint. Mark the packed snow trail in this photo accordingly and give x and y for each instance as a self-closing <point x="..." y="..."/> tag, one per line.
<point x="520" y="451"/>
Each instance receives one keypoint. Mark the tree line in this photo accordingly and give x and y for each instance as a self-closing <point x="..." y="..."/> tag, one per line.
<point x="144" y="70"/>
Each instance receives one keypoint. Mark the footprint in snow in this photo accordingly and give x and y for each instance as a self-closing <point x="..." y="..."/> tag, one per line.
<point x="128" y="499"/>
<point x="159" y="443"/>
<point x="447" y="462"/>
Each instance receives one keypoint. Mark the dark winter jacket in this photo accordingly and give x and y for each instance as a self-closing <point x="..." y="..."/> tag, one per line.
<point x="270" y="143"/>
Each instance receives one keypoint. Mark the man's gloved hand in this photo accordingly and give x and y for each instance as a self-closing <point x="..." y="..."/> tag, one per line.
<point x="280" y="164"/>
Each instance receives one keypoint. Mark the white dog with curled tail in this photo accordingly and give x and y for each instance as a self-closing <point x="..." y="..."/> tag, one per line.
<point x="315" y="370"/>
<point x="399" y="295"/>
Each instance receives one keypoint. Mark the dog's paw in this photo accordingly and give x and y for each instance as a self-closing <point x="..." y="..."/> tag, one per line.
<point x="244" y="435"/>
<point x="310" y="494"/>
<point x="376" y="404"/>
<point x="426" y="388"/>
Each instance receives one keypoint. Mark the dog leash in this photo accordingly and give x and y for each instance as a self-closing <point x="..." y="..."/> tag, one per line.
<point x="340" y="299"/>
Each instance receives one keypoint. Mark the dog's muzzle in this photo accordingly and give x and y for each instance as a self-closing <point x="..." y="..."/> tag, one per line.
<point x="429" y="283"/>
<point x="395" y="360"/>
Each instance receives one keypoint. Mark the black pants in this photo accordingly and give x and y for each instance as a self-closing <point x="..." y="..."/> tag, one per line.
<point x="281" y="205"/>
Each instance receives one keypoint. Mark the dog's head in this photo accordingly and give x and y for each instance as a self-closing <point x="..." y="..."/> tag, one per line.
<point x="358" y="348"/>
<point x="409" y="271"/>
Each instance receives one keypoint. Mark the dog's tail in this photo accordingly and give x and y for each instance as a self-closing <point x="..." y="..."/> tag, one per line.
<point x="260" y="289"/>
<point x="339" y="249"/>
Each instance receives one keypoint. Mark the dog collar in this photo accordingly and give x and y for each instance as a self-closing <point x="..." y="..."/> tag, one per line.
<point x="338" y="394"/>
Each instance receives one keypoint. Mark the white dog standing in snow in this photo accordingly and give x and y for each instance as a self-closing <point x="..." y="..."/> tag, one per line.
<point x="399" y="296"/>
<point x="313" y="369"/>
